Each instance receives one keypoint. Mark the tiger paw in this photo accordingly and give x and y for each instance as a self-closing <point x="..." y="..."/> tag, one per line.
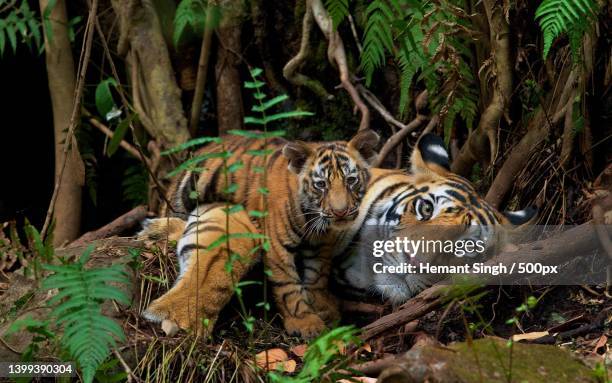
<point x="306" y="327"/>
<point x="326" y="306"/>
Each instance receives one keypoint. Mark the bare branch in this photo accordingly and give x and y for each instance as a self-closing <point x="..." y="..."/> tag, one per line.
<point x="198" y="95"/>
<point x="290" y="70"/>
<point x="109" y="133"/>
<point x="337" y="53"/>
<point x="397" y="138"/>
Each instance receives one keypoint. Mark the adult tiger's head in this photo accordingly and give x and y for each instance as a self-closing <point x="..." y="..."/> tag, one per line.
<point x="429" y="204"/>
<point x="333" y="178"/>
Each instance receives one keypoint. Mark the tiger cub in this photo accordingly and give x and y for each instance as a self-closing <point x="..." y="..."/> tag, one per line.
<point x="314" y="191"/>
<point x="429" y="202"/>
<point x="203" y="286"/>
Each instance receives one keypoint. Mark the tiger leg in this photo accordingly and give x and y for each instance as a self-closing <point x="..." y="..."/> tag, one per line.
<point x="295" y="306"/>
<point x="204" y="286"/>
<point x="158" y="229"/>
<point x="317" y="269"/>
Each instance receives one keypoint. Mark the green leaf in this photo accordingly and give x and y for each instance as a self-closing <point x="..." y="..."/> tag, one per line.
<point x="256" y="134"/>
<point x="191" y="163"/>
<point x="118" y="135"/>
<point x="258" y="214"/>
<point x="2" y="37"/>
<point x="235" y="167"/>
<point x="227" y="237"/>
<point x="47" y="19"/>
<point x="270" y="103"/>
<point x="253" y="84"/>
<point x="254" y="120"/>
<point x="256" y="72"/>
<point x="338" y="10"/>
<point x="104" y="97"/>
<point x="233" y="209"/>
<point x="10" y="31"/>
<point x="191" y="143"/>
<point x="287" y="115"/>
<point x="87" y="334"/>
<point x="260" y="153"/>
<point x="230" y="189"/>
<point x="560" y="16"/>
<point x="190" y="16"/>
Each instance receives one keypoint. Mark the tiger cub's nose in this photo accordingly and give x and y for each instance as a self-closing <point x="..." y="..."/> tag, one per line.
<point x="341" y="212"/>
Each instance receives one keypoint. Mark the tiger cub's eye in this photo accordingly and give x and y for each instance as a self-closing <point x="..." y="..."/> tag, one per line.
<point x="351" y="180"/>
<point x="320" y="184"/>
<point x="424" y="209"/>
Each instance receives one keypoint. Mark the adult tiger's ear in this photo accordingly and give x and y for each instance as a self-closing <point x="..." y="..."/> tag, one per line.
<point x="297" y="153"/>
<point x="365" y="142"/>
<point x="520" y="229"/>
<point x="429" y="155"/>
<point x="521" y="217"/>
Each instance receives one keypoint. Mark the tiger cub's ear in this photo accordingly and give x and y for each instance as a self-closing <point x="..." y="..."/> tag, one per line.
<point x="429" y="155"/>
<point x="297" y="153"/>
<point x="365" y="143"/>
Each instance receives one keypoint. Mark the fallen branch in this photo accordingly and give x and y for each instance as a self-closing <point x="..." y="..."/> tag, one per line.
<point x="122" y="224"/>
<point x="362" y="307"/>
<point x="337" y="54"/>
<point x="425" y="302"/>
<point x="578" y="240"/>
<point x="375" y="367"/>
<point x="596" y="324"/>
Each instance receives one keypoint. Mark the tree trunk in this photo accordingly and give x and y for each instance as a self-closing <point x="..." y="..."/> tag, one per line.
<point x="230" y="112"/>
<point x="475" y="148"/>
<point x="62" y="78"/>
<point x="157" y="97"/>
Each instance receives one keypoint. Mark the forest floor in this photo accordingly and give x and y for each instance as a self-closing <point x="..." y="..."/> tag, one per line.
<point x="574" y="318"/>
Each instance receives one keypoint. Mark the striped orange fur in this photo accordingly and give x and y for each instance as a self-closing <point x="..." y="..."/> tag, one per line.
<point x="314" y="193"/>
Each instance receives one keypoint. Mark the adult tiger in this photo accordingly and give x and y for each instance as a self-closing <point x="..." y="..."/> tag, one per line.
<point x="313" y="193"/>
<point x="429" y="203"/>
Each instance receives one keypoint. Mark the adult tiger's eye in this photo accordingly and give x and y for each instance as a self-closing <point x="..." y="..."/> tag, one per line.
<point x="320" y="184"/>
<point x="424" y="208"/>
<point x="351" y="180"/>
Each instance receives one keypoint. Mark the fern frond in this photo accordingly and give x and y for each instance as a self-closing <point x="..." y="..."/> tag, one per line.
<point x="560" y="16"/>
<point x="88" y="334"/>
<point x="378" y="36"/>
<point x="407" y="72"/>
<point x="338" y="10"/>
<point x="190" y="15"/>
<point x="135" y="185"/>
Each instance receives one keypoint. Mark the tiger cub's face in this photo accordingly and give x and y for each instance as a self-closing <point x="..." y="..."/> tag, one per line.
<point x="333" y="177"/>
